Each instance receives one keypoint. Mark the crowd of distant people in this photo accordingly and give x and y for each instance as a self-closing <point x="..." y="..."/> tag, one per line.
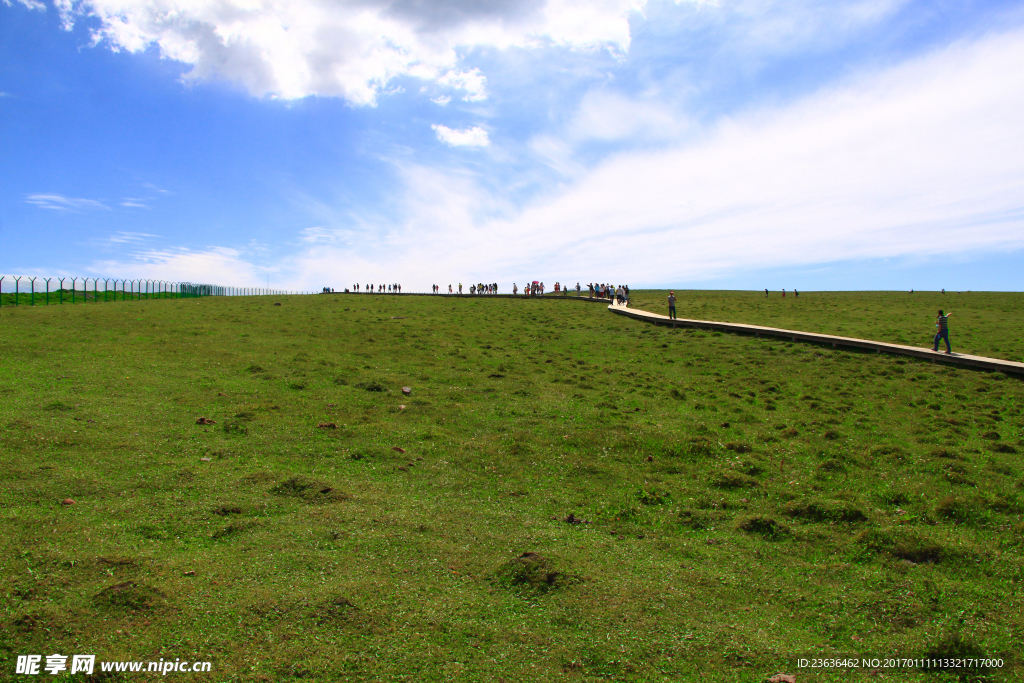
<point x="394" y="288"/>
<point x="617" y="293"/>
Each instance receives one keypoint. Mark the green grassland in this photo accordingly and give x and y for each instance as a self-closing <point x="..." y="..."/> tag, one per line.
<point x="578" y="496"/>
<point x="982" y="323"/>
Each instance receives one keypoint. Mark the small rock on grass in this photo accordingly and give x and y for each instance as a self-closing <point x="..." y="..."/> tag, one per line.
<point x="782" y="678"/>
<point x="396" y="448"/>
<point x="205" y="421"/>
<point x="327" y="425"/>
<point x="407" y="391"/>
<point x="67" y="501"/>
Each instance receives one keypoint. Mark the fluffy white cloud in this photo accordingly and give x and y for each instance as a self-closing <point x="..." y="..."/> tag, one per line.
<point x="348" y="48"/>
<point x="466" y="137"/>
<point x="472" y="82"/>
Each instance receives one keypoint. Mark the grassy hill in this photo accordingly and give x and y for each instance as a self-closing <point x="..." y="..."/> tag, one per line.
<point x="564" y="495"/>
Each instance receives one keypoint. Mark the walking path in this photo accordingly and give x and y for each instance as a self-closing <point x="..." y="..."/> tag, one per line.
<point x="795" y="335"/>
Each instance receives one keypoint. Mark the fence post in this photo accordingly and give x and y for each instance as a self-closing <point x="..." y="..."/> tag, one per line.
<point x="95" y="290"/>
<point x="17" y="292"/>
<point x="48" y="290"/>
<point x="32" y="298"/>
<point x="2" y="289"/>
<point x="62" y="289"/>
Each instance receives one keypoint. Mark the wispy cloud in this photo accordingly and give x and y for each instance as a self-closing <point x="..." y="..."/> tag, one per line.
<point x="213" y="265"/>
<point x="466" y="137"/>
<point x="31" y="4"/>
<point x="129" y="237"/>
<point x="58" y="202"/>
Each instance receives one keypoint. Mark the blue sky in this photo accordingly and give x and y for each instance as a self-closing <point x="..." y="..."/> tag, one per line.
<point x="873" y="144"/>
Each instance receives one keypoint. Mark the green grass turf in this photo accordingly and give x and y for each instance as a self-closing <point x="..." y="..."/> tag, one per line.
<point x="745" y="500"/>
<point x="982" y="323"/>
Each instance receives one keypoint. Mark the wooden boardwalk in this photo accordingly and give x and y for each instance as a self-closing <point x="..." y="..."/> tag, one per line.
<point x="980" y="362"/>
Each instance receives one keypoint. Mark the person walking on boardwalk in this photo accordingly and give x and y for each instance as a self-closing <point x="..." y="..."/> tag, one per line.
<point x="942" y="323"/>
<point x="672" y="305"/>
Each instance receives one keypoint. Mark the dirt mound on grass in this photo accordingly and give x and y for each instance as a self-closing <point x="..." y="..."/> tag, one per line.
<point x="131" y="596"/>
<point x="762" y="526"/>
<point x="309" y="490"/>
<point x="904" y="545"/>
<point x="824" y="511"/>
<point x="535" y="572"/>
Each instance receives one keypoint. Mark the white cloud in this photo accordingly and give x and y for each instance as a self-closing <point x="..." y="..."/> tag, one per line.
<point x="442" y="100"/>
<point x="467" y="137"/>
<point x="121" y="237"/>
<point x="920" y="160"/>
<point x="30" y="4"/>
<point x="350" y="48"/>
<point x="215" y="265"/>
<point x="609" y="116"/>
<point x="472" y="82"/>
<point x="57" y="202"/>
<point x="926" y="158"/>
